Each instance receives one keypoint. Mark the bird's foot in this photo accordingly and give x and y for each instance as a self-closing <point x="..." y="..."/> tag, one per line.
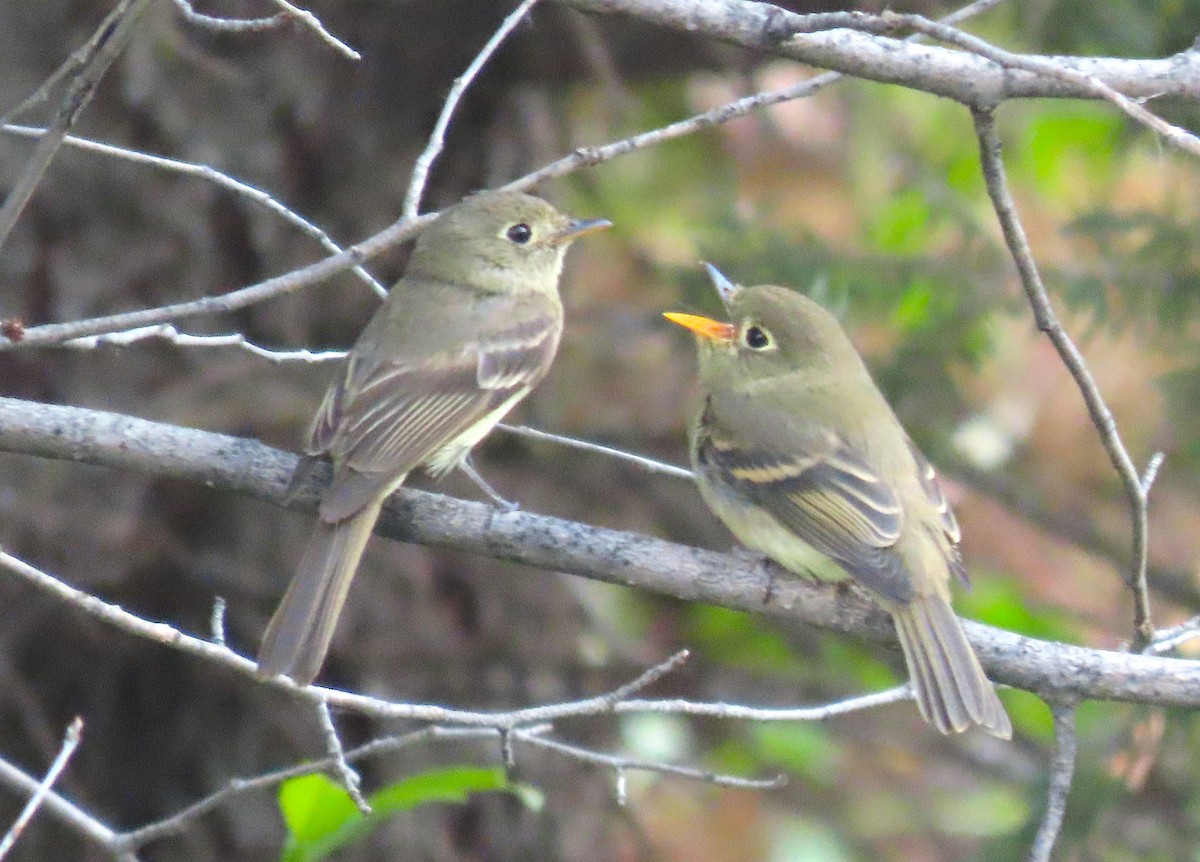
<point x="505" y="505"/>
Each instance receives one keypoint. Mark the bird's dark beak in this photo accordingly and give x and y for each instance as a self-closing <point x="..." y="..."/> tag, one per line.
<point x="726" y="288"/>
<point x="706" y="328"/>
<point x="576" y="228"/>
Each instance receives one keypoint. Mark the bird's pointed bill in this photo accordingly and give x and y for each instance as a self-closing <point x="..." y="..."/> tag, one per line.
<point x="576" y="228"/>
<point x="705" y="327"/>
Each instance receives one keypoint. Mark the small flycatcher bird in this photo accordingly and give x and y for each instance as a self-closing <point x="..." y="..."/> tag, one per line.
<point x="468" y="331"/>
<point x="798" y="453"/>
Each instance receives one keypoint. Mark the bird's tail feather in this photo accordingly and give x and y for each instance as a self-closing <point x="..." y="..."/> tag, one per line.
<point x="952" y="691"/>
<point x="299" y="633"/>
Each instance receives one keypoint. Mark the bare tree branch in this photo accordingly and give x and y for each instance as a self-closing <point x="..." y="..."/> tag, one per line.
<point x="1171" y="639"/>
<point x="526" y="724"/>
<point x="208" y="174"/>
<point x="965" y="77"/>
<point x="229" y="25"/>
<point x="350" y="780"/>
<point x="308" y="19"/>
<point x="247" y="467"/>
<point x="67" y="812"/>
<point x="1062" y="771"/>
<point x="99" y="53"/>
<point x="1049" y="68"/>
<point x="184" y="818"/>
<point x="70" y="742"/>
<point x="167" y="332"/>
<point x="640" y="461"/>
<point x="1047" y="322"/>
<point x="355" y="255"/>
<point x="621" y="764"/>
<point x="437" y="138"/>
<point x="55" y="333"/>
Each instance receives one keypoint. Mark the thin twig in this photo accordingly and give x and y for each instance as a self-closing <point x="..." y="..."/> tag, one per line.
<point x="738" y="712"/>
<point x="349" y="779"/>
<point x="70" y="742"/>
<point x="69" y="67"/>
<point x="621" y="764"/>
<point x="1047" y="322"/>
<point x="588" y="156"/>
<point x="229" y="25"/>
<point x="211" y="175"/>
<point x="169" y="333"/>
<point x="644" y="680"/>
<point x="647" y="464"/>
<point x="216" y="621"/>
<point x="182" y="819"/>
<point x="1150" y="474"/>
<point x="56" y="333"/>
<point x="314" y="23"/>
<point x="1062" y="772"/>
<point x="67" y="812"/>
<point x="1169" y="640"/>
<point x="108" y="43"/>
<point x="437" y="139"/>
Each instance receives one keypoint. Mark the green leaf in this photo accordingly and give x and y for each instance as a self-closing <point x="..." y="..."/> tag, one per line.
<point x="320" y="816"/>
<point x="313" y="806"/>
<point x="453" y="784"/>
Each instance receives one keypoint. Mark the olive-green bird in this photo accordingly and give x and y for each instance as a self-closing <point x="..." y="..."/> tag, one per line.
<point x="468" y="331"/>
<point x="797" y="451"/>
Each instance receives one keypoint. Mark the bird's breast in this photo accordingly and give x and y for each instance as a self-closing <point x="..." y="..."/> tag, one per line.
<point x="757" y="529"/>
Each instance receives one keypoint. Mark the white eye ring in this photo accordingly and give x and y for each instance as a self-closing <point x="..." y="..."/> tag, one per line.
<point x="756" y="337"/>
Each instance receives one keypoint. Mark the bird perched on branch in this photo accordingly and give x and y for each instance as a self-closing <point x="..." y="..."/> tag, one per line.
<point x="468" y="331"/>
<point x="798" y="453"/>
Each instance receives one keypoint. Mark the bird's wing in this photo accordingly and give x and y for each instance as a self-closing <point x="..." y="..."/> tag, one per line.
<point x="933" y="490"/>
<point x="814" y="484"/>
<point x="381" y="419"/>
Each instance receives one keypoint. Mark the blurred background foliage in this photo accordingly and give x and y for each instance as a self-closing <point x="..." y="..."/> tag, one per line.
<point x="868" y="197"/>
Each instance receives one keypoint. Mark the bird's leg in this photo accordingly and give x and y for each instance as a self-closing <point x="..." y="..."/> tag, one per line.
<point x="468" y="468"/>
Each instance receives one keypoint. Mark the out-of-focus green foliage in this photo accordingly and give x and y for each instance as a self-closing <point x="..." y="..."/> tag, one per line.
<point x="739" y="640"/>
<point x="1120" y="28"/>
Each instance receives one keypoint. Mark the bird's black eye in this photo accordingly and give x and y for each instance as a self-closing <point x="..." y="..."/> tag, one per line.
<point x="520" y="233"/>
<point x="757" y="338"/>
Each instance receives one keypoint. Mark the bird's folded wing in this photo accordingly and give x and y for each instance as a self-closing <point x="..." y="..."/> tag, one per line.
<point x="380" y="422"/>
<point x="818" y="487"/>
<point x="933" y="490"/>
